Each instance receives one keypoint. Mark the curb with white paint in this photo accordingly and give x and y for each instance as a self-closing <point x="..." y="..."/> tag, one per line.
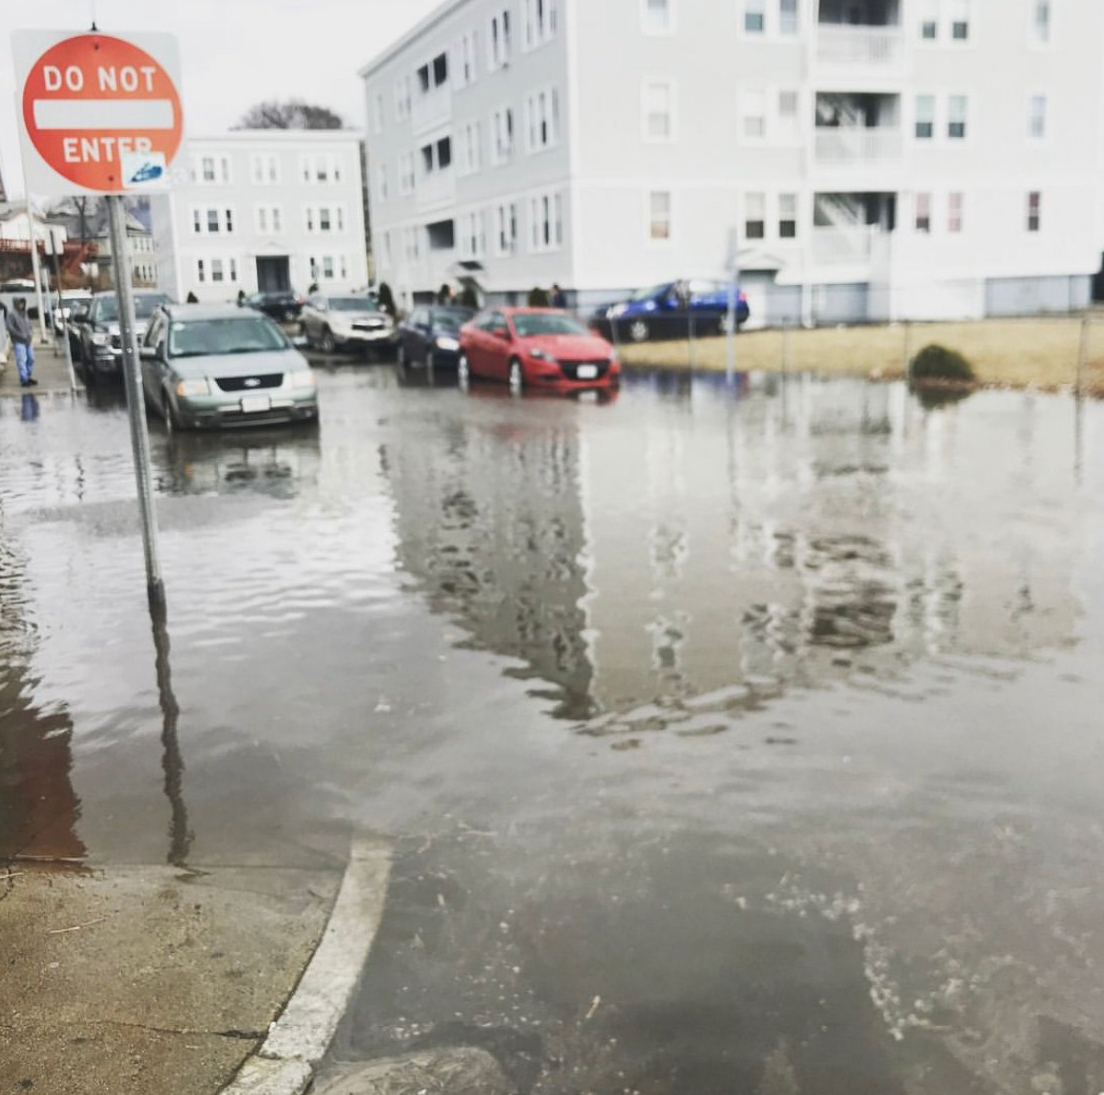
<point x="299" y="1038"/>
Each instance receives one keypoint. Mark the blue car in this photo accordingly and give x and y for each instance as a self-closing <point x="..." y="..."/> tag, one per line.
<point x="666" y="310"/>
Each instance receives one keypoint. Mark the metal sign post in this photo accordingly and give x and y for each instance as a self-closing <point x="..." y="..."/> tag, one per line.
<point x="36" y="273"/>
<point x="61" y="320"/>
<point x="733" y="289"/>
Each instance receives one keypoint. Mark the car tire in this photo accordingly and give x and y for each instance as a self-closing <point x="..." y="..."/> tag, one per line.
<point x="168" y="411"/>
<point x="463" y="371"/>
<point x="515" y="377"/>
<point x="638" y="330"/>
<point x="326" y="344"/>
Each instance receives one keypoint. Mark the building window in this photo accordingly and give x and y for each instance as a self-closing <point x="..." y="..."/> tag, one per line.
<point x="324" y="219"/>
<point x="440" y="70"/>
<point x="471" y="158"/>
<point x="406" y="173"/>
<point x="755" y="216"/>
<point x="787" y="216"/>
<point x="387" y="248"/>
<point x="506" y="225"/>
<point x="465" y="73"/>
<point x="216" y="269"/>
<point x="1036" y="121"/>
<point x="381" y="182"/>
<point x="229" y="220"/>
<point x="755" y="16"/>
<point x="923" y="212"/>
<point x="655" y="16"/>
<point x="1034" y="210"/>
<point x="343" y="268"/>
<point x="1042" y="21"/>
<point x="197" y="222"/>
<point x="201" y="273"/>
<point x="224" y="168"/>
<point x="925" y="117"/>
<point x="929" y="19"/>
<point x="208" y="168"/>
<point x="276" y="218"/>
<point x="543" y="110"/>
<point x="328" y="267"/>
<point x="659" y="215"/>
<point x="402" y="98"/>
<point x="262" y="219"/>
<point x="474" y="235"/>
<point x="658" y="122"/>
<point x="339" y="217"/>
<point x="540" y="21"/>
<point x="212" y="220"/>
<point x="502" y="123"/>
<point x="954" y="211"/>
<point x="377" y="113"/>
<point x="753" y="115"/>
<point x="265" y="170"/>
<point x="444" y="153"/>
<point x="787" y="16"/>
<point x="788" y="114"/>
<point x="960" y="20"/>
<point x="436" y="156"/>
<point x="233" y="269"/>
<point x="310" y="218"/>
<point x="498" y="43"/>
<point x="956" y="117"/>
<point x="546" y="222"/>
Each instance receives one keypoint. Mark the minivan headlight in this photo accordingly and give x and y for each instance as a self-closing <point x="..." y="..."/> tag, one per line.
<point x="193" y="387"/>
<point x="302" y="378"/>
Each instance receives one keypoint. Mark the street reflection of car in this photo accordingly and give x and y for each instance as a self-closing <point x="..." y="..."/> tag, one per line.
<point x="220" y="365"/>
<point x="430" y="335"/>
<point x="98" y="343"/>
<point x="535" y="347"/>
<point x="347" y="321"/>
<point x="666" y="310"/>
<point x="281" y="305"/>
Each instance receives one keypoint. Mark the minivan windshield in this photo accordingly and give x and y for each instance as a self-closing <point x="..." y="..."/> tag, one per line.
<point x="235" y="335"/>
<point x="547" y="323"/>
<point x="107" y="308"/>
<point x="353" y="304"/>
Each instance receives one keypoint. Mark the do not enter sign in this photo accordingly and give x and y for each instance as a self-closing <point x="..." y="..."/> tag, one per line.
<point x="89" y="103"/>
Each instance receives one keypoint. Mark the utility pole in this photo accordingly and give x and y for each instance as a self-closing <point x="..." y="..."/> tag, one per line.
<point x="36" y="270"/>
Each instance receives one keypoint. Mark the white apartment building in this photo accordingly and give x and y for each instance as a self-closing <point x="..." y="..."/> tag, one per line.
<point x="860" y="159"/>
<point x="262" y="210"/>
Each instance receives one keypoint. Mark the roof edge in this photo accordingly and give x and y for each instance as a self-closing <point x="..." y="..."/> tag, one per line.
<point x="415" y="32"/>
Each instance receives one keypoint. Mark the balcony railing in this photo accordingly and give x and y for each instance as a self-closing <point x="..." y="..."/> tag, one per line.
<point x="857" y="144"/>
<point x="843" y="246"/>
<point x="877" y="46"/>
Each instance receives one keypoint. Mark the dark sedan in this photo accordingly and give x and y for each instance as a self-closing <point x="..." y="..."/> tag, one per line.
<point x="430" y="335"/>
<point x="668" y="310"/>
<point x="282" y="306"/>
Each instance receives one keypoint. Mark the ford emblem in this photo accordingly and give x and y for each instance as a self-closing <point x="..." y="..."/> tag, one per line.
<point x="252" y="382"/>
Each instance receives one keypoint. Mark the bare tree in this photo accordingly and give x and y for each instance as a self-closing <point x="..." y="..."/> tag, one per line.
<point x="289" y="114"/>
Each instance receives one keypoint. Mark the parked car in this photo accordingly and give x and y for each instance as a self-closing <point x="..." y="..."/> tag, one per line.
<point x="535" y="347"/>
<point x="281" y="305"/>
<point x="430" y="335"/>
<point x="64" y="305"/>
<point x="221" y="365"/>
<point x="98" y="346"/>
<point x="664" y="310"/>
<point x="347" y="322"/>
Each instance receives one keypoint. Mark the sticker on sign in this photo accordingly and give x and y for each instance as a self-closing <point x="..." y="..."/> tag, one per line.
<point x="98" y="113"/>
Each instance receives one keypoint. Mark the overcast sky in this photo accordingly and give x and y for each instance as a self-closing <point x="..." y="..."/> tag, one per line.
<point x="233" y="52"/>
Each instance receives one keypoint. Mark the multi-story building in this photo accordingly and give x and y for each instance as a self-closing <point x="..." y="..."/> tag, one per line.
<point x="858" y="159"/>
<point x="85" y="222"/>
<point x="262" y="209"/>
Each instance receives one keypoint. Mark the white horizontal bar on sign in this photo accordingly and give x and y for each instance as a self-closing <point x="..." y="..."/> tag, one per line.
<point x="103" y="113"/>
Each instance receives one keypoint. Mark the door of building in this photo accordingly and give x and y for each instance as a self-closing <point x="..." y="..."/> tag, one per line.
<point x="273" y="274"/>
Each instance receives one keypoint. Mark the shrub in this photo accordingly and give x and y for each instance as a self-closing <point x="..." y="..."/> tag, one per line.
<point x="538" y="297"/>
<point x="935" y="363"/>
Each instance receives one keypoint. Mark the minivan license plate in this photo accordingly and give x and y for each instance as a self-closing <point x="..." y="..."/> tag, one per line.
<point x="250" y="404"/>
<point x="586" y="372"/>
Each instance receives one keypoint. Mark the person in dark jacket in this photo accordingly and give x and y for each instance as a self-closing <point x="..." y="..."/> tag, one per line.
<point x="559" y="297"/>
<point x="19" y="331"/>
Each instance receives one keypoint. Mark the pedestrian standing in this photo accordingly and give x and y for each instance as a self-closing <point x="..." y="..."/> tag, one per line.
<point x="19" y="330"/>
<point x="559" y="297"/>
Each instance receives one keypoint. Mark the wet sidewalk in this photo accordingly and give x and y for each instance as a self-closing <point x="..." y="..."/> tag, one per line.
<point x="137" y="979"/>
<point x="51" y="371"/>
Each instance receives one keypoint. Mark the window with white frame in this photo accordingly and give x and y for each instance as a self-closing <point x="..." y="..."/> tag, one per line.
<point x="412" y="243"/>
<point x="320" y="168"/>
<point x="406" y="173"/>
<point x="212" y="222"/>
<point x="659" y="215"/>
<point x="929" y="19"/>
<point x="498" y="40"/>
<point x="506" y="228"/>
<point x="925" y="117"/>
<point x="433" y="74"/>
<point x="264" y="169"/>
<point x="436" y="156"/>
<point x="954" y="211"/>
<point x="787" y="216"/>
<point x="328" y="267"/>
<point x="656" y="16"/>
<point x="343" y="268"/>
<point x="960" y="20"/>
<point x="208" y="169"/>
<point x="197" y="221"/>
<point x="789" y="123"/>
<point x="201" y="270"/>
<point x="922" y="211"/>
<point x="1034" y="210"/>
<point x="381" y="182"/>
<point x="386" y="246"/>
<point x="546" y="221"/>
<point x="1037" y="117"/>
<point x="542" y="109"/>
<point x="502" y="134"/>
<point x="471" y="148"/>
<point x="216" y="270"/>
<point x="1041" y="21"/>
<point x="540" y="19"/>
<point x="957" y="107"/>
<point x="787" y="17"/>
<point x="325" y="219"/>
<point x="658" y="102"/>
<point x="755" y="16"/>
<point x="466" y="54"/>
<point x="473" y="234"/>
<point x="753" y="115"/>
<point x="377" y="113"/>
<point x="402" y="98"/>
<point x="755" y="215"/>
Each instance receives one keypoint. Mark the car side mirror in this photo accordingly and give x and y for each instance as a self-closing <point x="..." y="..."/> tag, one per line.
<point x="503" y="333"/>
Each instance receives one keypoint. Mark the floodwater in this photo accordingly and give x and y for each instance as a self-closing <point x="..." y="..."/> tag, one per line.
<point x="730" y="741"/>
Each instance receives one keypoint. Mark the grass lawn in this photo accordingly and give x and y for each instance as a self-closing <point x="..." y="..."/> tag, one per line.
<point x="1017" y="353"/>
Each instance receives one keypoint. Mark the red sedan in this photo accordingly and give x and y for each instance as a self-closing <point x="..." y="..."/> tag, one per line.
<point x="538" y="347"/>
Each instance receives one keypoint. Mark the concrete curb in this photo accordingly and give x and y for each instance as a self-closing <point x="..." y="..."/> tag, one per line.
<point x="298" y="1039"/>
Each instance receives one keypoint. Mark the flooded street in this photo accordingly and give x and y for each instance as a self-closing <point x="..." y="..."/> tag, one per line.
<point x="730" y="742"/>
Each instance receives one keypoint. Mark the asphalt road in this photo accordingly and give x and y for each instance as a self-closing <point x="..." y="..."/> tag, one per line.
<point x="731" y="741"/>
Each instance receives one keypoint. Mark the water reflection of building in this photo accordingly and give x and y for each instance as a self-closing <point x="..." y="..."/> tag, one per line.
<point x="489" y="519"/>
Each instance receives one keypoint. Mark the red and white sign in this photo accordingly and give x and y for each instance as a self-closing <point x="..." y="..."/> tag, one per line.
<point x="87" y="102"/>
